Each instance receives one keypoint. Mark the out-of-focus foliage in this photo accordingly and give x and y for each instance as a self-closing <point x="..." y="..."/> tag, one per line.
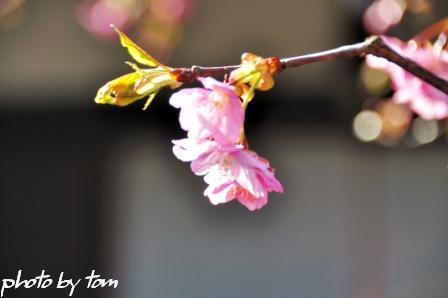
<point x="382" y="15"/>
<point x="157" y="24"/>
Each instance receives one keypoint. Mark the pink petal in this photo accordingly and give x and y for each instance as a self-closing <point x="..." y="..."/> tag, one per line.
<point x="191" y="149"/>
<point x="214" y="113"/>
<point x="253" y="204"/>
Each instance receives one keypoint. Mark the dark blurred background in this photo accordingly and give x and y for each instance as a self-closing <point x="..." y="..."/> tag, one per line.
<point x="85" y="187"/>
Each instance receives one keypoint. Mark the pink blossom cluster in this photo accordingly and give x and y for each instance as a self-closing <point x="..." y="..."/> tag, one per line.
<point x="213" y="117"/>
<point x="424" y="99"/>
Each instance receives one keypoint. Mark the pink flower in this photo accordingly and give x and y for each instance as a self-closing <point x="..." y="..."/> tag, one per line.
<point x="230" y="171"/>
<point x="214" y="112"/>
<point x="214" y="118"/>
<point x="427" y="101"/>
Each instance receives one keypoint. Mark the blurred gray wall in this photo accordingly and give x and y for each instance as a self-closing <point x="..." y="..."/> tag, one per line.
<point x="355" y="221"/>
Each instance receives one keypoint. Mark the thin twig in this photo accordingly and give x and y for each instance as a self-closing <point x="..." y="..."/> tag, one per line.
<point x="373" y="45"/>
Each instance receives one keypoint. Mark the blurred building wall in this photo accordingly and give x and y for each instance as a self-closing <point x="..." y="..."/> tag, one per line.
<point x="355" y="221"/>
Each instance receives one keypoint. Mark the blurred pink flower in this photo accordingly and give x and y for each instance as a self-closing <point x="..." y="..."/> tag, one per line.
<point x="215" y="112"/>
<point x="231" y="172"/>
<point x="172" y="10"/>
<point x="97" y="15"/>
<point x="425" y="100"/>
<point x="381" y="15"/>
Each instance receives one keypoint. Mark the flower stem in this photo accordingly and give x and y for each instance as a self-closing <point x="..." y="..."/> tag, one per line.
<point x="373" y="45"/>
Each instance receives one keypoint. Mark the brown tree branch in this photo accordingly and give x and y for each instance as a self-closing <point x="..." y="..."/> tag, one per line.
<point x="373" y="45"/>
